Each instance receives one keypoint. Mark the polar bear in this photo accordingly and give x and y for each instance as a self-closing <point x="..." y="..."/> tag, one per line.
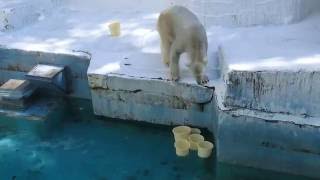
<point x="181" y="31"/>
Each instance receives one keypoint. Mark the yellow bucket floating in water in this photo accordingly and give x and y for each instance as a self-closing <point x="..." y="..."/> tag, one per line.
<point x="181" y="132"/>
<point x="195" y="131"/>
<point x="114" y="28"/>
<point x="205" y="149"/>
<point x="194" y="140"/>
<point x="182" y="147"/>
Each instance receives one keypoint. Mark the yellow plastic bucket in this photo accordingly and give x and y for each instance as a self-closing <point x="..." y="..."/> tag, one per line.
<point x="195" y="131"/>
<point x="181" y="132"/>
<point x="114" y="28"/>
<point x="205" y="149"/>
<point x="182" y="147"/>
<point x="194" y="140"/>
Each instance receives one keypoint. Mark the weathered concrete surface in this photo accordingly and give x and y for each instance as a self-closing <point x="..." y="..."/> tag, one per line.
<point x="137" y="86"/>
<point x="287" y="141"/>
<point x="116" y="82"/>
<point x="269" y="141"/>
<point x="269" y="101"/>
<point x="16" y="63"/>
<point x="275" y="91"/>
<point x="152" y="100"/>
<point x="250" y="12"/>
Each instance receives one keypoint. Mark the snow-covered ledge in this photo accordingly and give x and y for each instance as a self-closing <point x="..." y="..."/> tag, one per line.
<point x="276" y="72"/>
<point x="137" y="87"/>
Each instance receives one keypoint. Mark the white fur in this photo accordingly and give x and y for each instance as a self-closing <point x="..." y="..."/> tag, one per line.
<point x="181" y="31"/>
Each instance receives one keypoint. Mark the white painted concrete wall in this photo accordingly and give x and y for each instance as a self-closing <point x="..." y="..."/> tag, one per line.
<point x="16" y="14"/>
<point x="121" y="5"/>
<point x="282" y="92"/>
<point x="250" y="12"/>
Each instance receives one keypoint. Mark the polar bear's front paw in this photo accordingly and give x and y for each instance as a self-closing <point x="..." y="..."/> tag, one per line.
<point x="174" y="76"/>
<point x="203" y="80"/>
<point x="166" y="63"/>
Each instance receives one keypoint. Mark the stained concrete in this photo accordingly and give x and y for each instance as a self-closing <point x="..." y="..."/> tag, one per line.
<point x="15" y="64"/>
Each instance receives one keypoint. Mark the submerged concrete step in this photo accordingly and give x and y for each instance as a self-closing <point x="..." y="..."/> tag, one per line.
<point x="15" y="63"/>
<point x="15" y="94"/>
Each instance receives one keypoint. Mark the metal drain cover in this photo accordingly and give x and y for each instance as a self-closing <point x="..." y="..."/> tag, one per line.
<point x="48" y="76"/>
<point x="45" y="71"/>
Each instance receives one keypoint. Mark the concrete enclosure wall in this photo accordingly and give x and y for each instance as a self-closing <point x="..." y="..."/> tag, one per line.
<point x="17" y="14"/>
<point x="250" y="12"/>
<point x="120" y="5"/>
<point x="281" y="92"/>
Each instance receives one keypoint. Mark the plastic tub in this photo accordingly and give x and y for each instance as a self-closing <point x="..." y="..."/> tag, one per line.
<point x="194" y="140"/>
<point x="114" y="28"/>
<point x="182" y="147"/>
<point x="195" y="131"/>
<point x="181" y="132"/>
<point x="205" y="149"/>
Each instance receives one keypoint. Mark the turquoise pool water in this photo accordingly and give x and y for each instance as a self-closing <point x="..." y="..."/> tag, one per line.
<point x="75" y="144"/>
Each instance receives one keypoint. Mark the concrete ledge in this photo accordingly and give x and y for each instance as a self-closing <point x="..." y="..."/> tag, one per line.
<point x="136" y="86"/>
<point x="157" y="114"/>
<point x="278" y="72"/>
<point x="189" y="92"/>
<point x="154" y="101"/>
<point x="15" y="63"/>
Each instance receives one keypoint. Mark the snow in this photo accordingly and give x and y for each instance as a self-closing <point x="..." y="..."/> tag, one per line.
<point x="82" y="27"/>
<point x="288" y="48"/>
<point x="16" y="14"/>
<point x="71" y="26"/>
